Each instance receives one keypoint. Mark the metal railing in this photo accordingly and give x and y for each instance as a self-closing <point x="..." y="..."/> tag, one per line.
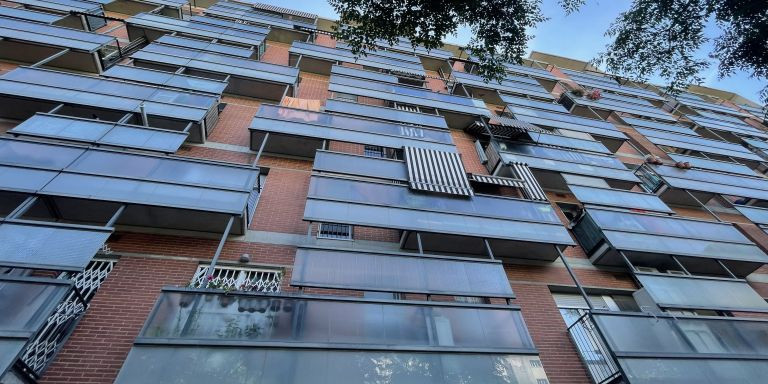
<point x="231" y="278"/>
<point x="593" y="350"/>
<point x="54" y="333"/>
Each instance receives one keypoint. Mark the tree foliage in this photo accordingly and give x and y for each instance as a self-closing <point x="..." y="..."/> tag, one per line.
<point x="653" y="38"/>
<point x="499" y="27"/>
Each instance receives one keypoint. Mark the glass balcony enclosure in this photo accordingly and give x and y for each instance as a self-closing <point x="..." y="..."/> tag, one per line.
<point x="688" y="292"/>
<point x="665" y="349"/>
<point x="514" y="227"/>
<point x="28" y="41"/>
<point x="99" y="132"/>
<point x="643" y="238"/>
<point x="490" y="91"/>
<point x="408" y="95"/>
<point x="300" y="132"/>
<point x="261" y="338"/>
<point x="203" y="317"/>
<point x="89" y="184"/>
<point x="320" y="59"/>
<point x="201" y="365"/>
<point x="385" y="113"/>
<point x="399" y="272"/>
<point x="153" y="26"/>
<point x="246" y="77"/>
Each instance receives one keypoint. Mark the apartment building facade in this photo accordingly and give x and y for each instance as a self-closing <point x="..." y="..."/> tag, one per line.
<point x="219" y="191"/>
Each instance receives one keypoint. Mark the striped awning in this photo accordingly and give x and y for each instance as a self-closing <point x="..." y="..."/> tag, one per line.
<point x="503" y="128"/>
<point x="436" y="171"/>
<point x="513" y="123"/>
<point x="497" y="180"/>
<point x="532" y="188"/>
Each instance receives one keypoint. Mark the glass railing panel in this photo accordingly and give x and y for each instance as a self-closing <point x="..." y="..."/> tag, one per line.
<point x="399" y="273"/>
<point x="694" y="371"/>
<point x="335" y="322"/>
<point x="201" y="365"/>
<point x="664" y="225"/>
<point x="400" y="196"/>
<point x="668" y="336"/>
<point x="702" y="293"/>
<point x="618" y="198"/>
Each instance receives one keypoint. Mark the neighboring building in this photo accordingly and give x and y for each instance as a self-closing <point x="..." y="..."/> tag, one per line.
<point x="226" y="194"/>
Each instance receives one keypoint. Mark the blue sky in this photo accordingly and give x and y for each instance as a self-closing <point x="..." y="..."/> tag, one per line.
<point x="578" y="36"/>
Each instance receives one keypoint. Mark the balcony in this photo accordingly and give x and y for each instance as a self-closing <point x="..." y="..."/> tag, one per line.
<point x="319" y="59"/>
<point x="707" y="293"/>
<point x="609" y="84"/>
<point x="554" y="116"/>
<point x="492" y="92"/>
<point x="392" y="115"/>
<point x="610" y="103"/>
<point x="515" y="228"/>
<point x="399" y="272"/>
<point x="458" y="111"/>
<point x="323" y="339"/>
<point x="30" y="42"/>
<point x="693" y="187"/>
<point x="25" y="304"/>
<point x="170" y="8"/>
<point x="284" y="30"/>
<point x="207" y="46"/>
<point x="64" y="9"/>
<point x="688" y="101"/>
<point x="87" y="185"/>
<point x="100" y="133"/>
<point x="301" y="133"/>
<point x="167" y="79"/>
<point x="152" y="27"/>
<point x="668" y="349"/>
<point x="651" y="240"/>
<point x="548" y="164"/>
<point x="28" y="90"/>
<point x="693" y="143"/>
<point x="729" y="128"/>
<point x="244" y="76"/>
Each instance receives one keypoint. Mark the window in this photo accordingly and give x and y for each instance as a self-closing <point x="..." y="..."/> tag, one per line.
<point x="346" y="97"/>
<point x="381" y="152"/>
<point x="470" y="299"/>
<point x="334" y="231"/>
<point x="542" y="381"/>
<point x="535" y="363"/>
<point x="374" y="151"/>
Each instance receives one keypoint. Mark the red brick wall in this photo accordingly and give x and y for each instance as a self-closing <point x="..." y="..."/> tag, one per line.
<point x="558" y="355"/>
<point x="281" y="205"/>
<point x="96" y="350"/>
<point x="313" y="86"/>
<point x="465" y="144"/>
<point x="276" y="53"/>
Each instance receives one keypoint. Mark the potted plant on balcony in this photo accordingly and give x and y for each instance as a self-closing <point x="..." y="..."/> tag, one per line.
<point x="594" y="94"/>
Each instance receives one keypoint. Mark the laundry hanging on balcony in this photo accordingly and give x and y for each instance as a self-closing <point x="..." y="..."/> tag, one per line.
<point x="436" y="171"/>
